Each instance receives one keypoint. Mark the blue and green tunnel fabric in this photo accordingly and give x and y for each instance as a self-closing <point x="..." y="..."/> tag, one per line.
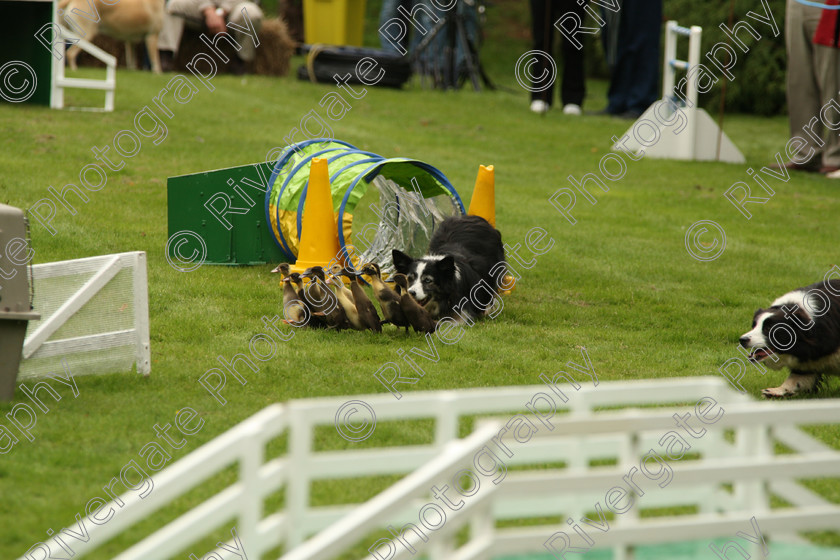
<point x="413" y="197"/>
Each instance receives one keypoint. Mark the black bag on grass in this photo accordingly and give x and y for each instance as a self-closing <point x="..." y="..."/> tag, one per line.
<point x="325" y="62"/>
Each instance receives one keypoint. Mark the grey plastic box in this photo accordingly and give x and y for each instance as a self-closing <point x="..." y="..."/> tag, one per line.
<point x="15" y="303"/>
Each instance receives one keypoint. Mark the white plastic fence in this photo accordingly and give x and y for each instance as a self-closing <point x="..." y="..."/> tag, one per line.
<point x="747" y="462"/>
<point x="94" y="316"/>
<point x="244" y="444"/>
<point x="391" y="503"/>
<point x="727" y="482"/>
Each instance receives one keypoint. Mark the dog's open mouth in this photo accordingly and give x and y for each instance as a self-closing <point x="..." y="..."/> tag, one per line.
<point x="759" y="354"/>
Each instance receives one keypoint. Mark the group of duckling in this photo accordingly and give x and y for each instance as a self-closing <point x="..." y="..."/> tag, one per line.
<point x="327" y="303"/>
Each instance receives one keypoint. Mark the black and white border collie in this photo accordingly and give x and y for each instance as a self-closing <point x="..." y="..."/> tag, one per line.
<point x="800" y="331"/>
<point x="462" y="271"/>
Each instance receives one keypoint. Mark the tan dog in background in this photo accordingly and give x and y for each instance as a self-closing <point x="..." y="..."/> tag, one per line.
<point x="127" y="20"/>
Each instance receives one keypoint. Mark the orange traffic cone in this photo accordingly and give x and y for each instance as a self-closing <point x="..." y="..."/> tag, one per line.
<point x="319" y="244"/>
<point x="483" y="202"/>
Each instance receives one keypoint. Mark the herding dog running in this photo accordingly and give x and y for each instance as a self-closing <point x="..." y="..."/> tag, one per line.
<point x="800" y="331"/>
<point x="465" y="254"/>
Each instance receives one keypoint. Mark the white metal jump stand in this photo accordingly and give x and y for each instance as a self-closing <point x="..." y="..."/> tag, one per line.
<point x="699" y="138"/>
<point x="60" y="81"/>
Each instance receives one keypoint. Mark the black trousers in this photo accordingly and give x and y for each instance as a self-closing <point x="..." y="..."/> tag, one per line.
<point x="634" y="84"/>
<point x="544" y="14"/>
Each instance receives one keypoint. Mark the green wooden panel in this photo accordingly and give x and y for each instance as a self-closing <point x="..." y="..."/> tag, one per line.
<point x="234" y="228"/>
<point x="18" y="43"/>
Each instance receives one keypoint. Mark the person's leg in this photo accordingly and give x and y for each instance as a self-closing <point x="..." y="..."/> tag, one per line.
<point x="170" y="34"/>
<point x="826" y="61"/>
<point x="803" y="96"/>
<point x="645" y="26"/>
<point x="387" y="13"/>
<point x="169" y="39"/>
<point x="609" y="34"/>
<point x="248" y="43"/>
<point x="542" y="33"/>
<point x="620" y="76"/>
<point x="573" y="88"/>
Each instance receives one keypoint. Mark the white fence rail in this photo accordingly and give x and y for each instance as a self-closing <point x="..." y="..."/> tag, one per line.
<point x="728" y="478"/>
<point x="379" y="511"/>
<point x="244" y="444"/>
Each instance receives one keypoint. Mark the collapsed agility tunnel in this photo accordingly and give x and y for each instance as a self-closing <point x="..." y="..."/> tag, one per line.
<point x="380" y="203"/>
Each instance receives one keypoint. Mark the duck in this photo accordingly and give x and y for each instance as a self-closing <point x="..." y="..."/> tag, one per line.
<point x="294" y="310"/>
<point x="389" y="300"/>
<point x="283" y="268"/>
<point x="323" y="300"/>
<point x="314" y="320"/>
<point x="337" y="270"/>
<point x="347" y="302"/>
<point x="292" y="304"/>
<point x="415" y="313"/>
<point x="364" y="307"/>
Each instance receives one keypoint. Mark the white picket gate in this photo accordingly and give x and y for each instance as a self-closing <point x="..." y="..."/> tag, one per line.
<point x="729" y="480"/>
<point x="94" y="317"/>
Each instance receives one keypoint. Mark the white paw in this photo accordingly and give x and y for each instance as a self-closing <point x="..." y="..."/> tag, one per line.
<point x="776" y="393"/>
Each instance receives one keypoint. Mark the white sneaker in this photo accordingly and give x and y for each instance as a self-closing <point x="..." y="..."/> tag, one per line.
<point x="572" y="109"/>
<point x="539" y="106"/>
<point x="833" y="174"/>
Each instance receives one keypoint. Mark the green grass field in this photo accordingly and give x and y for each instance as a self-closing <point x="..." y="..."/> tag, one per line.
<point x="619" y="282"/>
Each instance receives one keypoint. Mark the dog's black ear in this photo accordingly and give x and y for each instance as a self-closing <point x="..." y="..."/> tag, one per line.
<point x="402" y="262"/>
<point x="446" y="267"/>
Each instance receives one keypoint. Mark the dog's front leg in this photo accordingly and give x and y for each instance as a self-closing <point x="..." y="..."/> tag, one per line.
<point x="152" y="49"/>
<point x="130" y="62"/>
<point x="794" y="384"/>
<point x="72" y="53"/>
